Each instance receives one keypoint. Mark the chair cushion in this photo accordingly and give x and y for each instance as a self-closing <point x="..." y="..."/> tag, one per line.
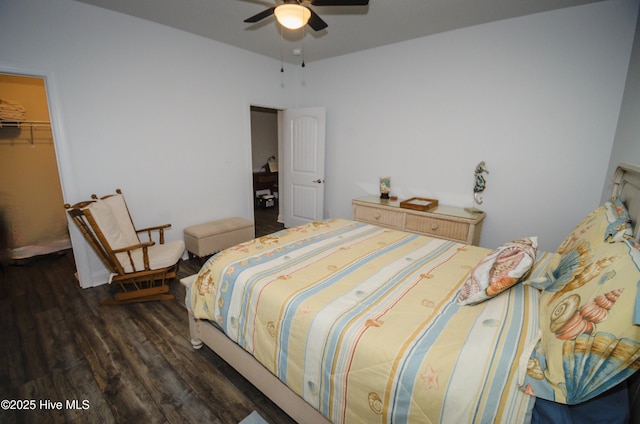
<point x="160" y="256"/>
<point x="120" y="213"/>
<point x="109" y="225"/>
<point x="112" y="216"/>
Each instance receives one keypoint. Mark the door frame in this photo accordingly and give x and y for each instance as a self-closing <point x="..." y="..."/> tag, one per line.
<point x="279" y="110"/>
<point x="282" y="197"/>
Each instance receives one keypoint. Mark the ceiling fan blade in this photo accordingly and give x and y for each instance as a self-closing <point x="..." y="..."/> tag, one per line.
<point x="339" y="2"/>
<point x="316" y="22"/>
<point x="260" y="16"/>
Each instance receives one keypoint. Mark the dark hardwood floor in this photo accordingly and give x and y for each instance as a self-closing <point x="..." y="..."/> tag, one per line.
<point x="123" y="364"/>
<point x="266" y="221"/>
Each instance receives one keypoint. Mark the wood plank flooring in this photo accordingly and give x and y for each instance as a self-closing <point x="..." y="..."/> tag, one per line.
<point x="266" y="221"/>
<point x="116" y="364"/>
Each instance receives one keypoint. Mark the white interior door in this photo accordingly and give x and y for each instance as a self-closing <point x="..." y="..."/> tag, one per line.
<point x="303" y="170"/>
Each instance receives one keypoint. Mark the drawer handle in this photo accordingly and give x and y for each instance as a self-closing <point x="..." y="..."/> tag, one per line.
<point x="377" y="216"/>
<point x="434" y="227"/>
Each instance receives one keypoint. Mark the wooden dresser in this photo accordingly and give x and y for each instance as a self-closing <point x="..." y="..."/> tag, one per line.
<point x="447" y="222"/>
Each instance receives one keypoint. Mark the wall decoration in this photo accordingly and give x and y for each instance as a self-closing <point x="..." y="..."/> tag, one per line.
<point x="385" y="187"/>
<point x="478" y="187"/>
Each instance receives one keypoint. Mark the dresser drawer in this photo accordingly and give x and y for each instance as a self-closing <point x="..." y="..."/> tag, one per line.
<point x="441" y="228"/>
<point x="446" y="222"/>
<point x="378" y="216"/>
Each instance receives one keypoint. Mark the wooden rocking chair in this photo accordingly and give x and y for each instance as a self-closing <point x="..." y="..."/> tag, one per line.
<point x="141" y="269"/>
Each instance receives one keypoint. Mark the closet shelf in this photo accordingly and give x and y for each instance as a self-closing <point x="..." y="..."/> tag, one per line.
<point x="39" y="132"/>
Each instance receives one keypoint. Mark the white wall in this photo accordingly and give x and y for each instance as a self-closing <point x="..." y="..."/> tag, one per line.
<point x="164" y="115"/>
<point x="159" y="113"/>
<point x="626" y="147"/>
<point x="535" y="97"/>
<point x="264" y="137"/>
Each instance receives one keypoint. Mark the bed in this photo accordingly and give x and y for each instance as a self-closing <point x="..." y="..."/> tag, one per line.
<point x="345" y="322"/>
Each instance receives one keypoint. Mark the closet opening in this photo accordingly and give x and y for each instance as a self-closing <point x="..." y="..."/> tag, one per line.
<point x="33" y="219"/>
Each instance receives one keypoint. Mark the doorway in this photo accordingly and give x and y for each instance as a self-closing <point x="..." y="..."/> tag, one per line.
<point x="265" y="176"/>
<point x="30" y="190"/>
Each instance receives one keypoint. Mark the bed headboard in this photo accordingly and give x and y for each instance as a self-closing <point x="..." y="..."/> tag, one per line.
<point x="626" y="185"/>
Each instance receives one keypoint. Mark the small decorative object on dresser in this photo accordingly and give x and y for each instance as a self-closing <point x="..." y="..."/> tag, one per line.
<point x="446" y="222"/>
<point x="385" y="187"/>
<point x="419" y="203"/>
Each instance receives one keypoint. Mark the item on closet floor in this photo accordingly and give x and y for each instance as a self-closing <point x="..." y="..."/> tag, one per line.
<point x="203" y="240"/>
<point x="385" y="187"/>
<point x="5" y="257"/>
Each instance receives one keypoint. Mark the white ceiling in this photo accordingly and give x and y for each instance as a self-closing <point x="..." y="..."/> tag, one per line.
<point x="351" y="28"/>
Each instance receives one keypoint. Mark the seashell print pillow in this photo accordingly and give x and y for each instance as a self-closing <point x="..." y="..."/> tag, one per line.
<point x="499" y="271"/>
<point x="589" y="342"/>
<point x="619" y="227"/>
<point x="607" y="223"/>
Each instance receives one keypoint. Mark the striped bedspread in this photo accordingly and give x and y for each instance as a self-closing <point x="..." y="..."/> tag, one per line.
<point x="362" y="322"/>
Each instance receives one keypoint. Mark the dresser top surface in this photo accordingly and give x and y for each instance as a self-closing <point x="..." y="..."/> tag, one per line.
<point x="438" y="210"/>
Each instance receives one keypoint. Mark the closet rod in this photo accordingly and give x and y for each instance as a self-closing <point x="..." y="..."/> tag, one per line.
<point x="33" y="126"/>
<point x="16" y="141"/>
<point x="25" y="124"/>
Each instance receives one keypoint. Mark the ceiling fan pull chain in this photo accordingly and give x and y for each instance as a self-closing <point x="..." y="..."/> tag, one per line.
<point x="302" y="44"/>
<point x="281" y="53"/>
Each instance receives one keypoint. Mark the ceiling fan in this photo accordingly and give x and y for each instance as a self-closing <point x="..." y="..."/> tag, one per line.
<point x="293" y="14"/>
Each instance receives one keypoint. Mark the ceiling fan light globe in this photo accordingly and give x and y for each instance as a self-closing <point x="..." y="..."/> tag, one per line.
<point x="292" y="16"/>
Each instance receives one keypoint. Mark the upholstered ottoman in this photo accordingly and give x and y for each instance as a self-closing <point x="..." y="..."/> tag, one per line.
<point x="203" y="240"/>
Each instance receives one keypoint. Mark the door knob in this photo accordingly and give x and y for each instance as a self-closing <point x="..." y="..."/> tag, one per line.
<point x="319" y="181"/>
